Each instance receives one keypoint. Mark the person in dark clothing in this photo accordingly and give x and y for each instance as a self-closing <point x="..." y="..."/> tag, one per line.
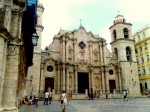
<point x="30" y="101"/>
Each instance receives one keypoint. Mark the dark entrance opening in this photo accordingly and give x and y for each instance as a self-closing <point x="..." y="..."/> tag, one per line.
<point x="112" y="85"/>
<point x="49" y="82"/>
<point x="83" y="82"/>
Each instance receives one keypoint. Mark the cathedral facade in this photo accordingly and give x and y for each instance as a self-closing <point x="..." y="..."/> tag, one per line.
<point x="79" y="62"/>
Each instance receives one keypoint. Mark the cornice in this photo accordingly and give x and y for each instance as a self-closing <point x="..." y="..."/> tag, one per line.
<point x="120" y="23"/>
<point x="41" y="6"/>
<point x="132" y="40"/>
<point x="40" y="26"/>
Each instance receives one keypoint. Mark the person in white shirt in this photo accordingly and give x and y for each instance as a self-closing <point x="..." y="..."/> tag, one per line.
<point x="125" y="95"/>
<point x="64" y="100"/>
<point x="46" y="98"/>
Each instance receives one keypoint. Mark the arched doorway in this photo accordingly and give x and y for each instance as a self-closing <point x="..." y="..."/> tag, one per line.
<point x="83" y="82"/>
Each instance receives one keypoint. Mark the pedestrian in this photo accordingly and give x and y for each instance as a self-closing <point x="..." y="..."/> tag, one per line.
<point x="26" y="100"/>
<point x="92" y="95"/>
<point x="64" y="99"/>
<point x="46" y="98"/>
<point x="125" y="95"/>
<point x="50" y="97"/>
<point x="106" y="95"/>
<point x="30" y="101"/>
<point x="36" y="101"/>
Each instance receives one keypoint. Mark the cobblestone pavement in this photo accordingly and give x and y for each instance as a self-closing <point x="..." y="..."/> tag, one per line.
<point x="103" y="105"/>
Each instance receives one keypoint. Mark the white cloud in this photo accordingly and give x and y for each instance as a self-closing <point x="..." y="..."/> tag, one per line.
<point x="134" y="10"/>
<point x="55" y="16"/>
<point x="105" y="33"/>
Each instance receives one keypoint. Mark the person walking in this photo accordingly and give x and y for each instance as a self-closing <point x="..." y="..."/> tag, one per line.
<point x="64" y="99"/>
<point x="36" y="101"/>
<point x="46" y="98"/>
<point x="125" y="95"/>
<point x="50" y="97"/>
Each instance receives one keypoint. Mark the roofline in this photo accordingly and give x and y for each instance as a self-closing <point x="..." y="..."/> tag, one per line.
<point x="141" y="29"/>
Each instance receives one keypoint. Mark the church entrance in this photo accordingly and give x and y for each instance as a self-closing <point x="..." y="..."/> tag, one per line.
<point x="83" y="82"/>
<point x="112" y="85"/>
<point x="49" y="82"/>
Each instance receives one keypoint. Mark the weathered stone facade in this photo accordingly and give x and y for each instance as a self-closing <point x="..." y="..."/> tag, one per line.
<point x="13" y="66"/>
<point x="79" y="61"/>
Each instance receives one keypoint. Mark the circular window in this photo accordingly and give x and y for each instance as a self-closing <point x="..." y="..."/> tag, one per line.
<point x="111" y="72"/>
<point x="82" y="45"/>
<point x="49" y="68"/>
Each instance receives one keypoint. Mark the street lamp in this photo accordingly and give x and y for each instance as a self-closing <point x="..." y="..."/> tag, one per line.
<point x="34" y="39"/>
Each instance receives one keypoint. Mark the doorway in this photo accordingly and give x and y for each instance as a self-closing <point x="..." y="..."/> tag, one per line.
<point x="49" y="82"/>
<point x="112" y="85"/>
<point x="83" y="82"/>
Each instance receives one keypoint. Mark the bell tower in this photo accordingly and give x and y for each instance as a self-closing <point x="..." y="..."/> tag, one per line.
<point x="123" y="51"/>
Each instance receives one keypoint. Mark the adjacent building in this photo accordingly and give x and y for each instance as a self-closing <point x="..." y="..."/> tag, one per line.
<point x="142" y="50"/>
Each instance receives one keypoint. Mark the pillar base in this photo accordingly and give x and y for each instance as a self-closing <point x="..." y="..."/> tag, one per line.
<point x="1" y="109"/>
<point x="10" y="109"/>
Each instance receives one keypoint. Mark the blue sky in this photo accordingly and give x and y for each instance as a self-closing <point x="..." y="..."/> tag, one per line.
<point x="96" y="15"/>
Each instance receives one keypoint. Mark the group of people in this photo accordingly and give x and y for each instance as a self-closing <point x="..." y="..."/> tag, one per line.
<point x="48" y="97"/>
<point x="32" y="100"/>
<point x="63" y="99"/>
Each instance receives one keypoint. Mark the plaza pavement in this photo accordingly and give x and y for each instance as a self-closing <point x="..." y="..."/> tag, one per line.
<point x="97" y="105"/>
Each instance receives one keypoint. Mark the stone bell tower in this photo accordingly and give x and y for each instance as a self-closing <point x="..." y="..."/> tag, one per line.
<point x="124" y="52"/>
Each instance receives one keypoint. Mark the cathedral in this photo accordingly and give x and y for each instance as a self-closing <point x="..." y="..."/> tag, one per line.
<point x="79" y="62"/>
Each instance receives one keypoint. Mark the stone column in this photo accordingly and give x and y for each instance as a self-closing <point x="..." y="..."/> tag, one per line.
<point x="119" y="79"/>
<point x="58" y="79"/>
<point x="11" y="80"/>
<point x="91" y="52"/>
<point x="74" y="51"/>
<point x="67" y="80"/>
<point x="76" y="79"/>
<point x="101" y="54"/>
<point x="92" y="78"/>
<point x="107" y="80"/>
<point x="64" y="75"/>
<point x="41" y="82"/>
<point x="2" y="66"/>
<point x="64" y="49"/>
<point x="16" y="22"/>
<point x="103" y="80"/>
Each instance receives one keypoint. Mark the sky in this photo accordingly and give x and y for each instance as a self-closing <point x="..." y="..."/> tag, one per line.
<point x="95" y="15"/>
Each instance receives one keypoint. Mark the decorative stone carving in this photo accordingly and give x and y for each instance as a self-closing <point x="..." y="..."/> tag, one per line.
<point x="70" y="53"/>
<point x="95" y="55"/>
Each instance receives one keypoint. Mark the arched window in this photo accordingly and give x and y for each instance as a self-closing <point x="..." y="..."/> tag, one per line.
<point x="116" y="53"/>
<point x="114" y="34"/>
<point x="128" y="53"/>
<point x="146" y="86"/>
<point x="126" y="33"/>
<point x="141" y="88"/>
